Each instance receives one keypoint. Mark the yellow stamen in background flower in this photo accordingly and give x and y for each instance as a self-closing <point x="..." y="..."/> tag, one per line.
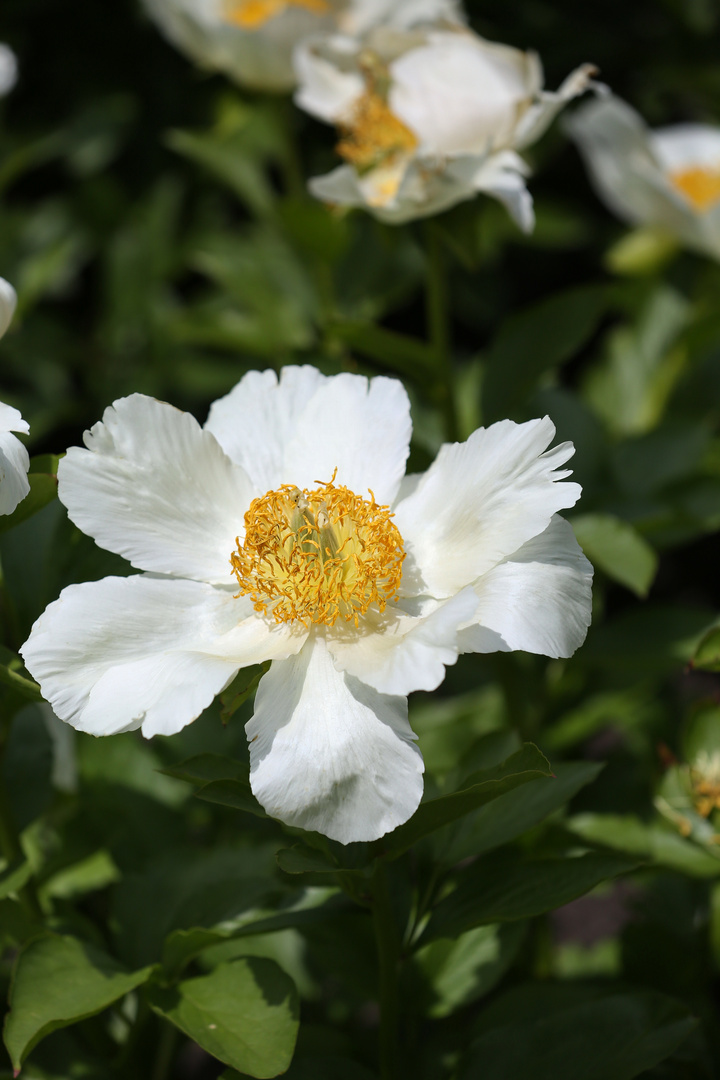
<point x="700" y="185"/>
<point x="705" y="780"/>
<point x="251" y="14"/>
<point x="373" y="134"/>
<point x="316" y="556"/>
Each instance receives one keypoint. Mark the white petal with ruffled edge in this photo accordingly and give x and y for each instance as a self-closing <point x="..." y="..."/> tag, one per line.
<point x="480" y="501"/>
<point x="396" y="652"/>
<point x="538" y="600"/>
<point x="145" y="651"/>
<point x="14" y="460"/>
<point x="255" y="421"/>
<point x="300" y="429"/>
<point x="156" y="488"/>
<point x="329" y="753"/>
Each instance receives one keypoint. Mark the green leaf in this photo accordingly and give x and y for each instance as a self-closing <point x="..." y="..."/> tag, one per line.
<point x="650" y="639"/>
<point x="463" y="970"/>
<point x="234" y="793"/>
<point x="503" y="888"/>
<point x="536" y="340"/>
<point x="14" y="877"/>
<point x="480" y="788"/>
<point x="244" y="1013"/>
<point x="617" y="547"/>
<point x="203" y="768"/>
<point x="707" y="654"/>
<point x="303" y="860"/>
<point x="42" y="476"/>
<point x="59" y="981"/>
<point x="562" y="1032"/>
<point x="654" y="842"/>
<point x="522" y="808"/>
<point x="241" y="688"/>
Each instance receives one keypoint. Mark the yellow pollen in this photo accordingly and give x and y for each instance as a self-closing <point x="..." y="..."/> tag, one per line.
<point x="318" y="556"/>
<point x="705" y="780"/>
<point x="700" y="185"/>
<point x="252" y="14"/>
<point x="373" y="135"/>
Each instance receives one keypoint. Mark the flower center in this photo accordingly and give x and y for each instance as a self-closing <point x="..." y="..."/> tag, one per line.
<point x="252" y="14"/>
<point x="316" y="556"/>
<point x="372" y="135"/>
<point x="700" y="185"/>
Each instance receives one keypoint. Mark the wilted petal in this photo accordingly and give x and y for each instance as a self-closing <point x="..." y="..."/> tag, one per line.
<point x="156" y="488"/>
<point x="538" y="600"/>
<point x="329" y="753"/>
<point x="483" y="499"/>
<point x="147" y="652"/>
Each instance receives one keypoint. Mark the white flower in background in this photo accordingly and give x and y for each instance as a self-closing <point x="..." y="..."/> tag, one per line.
<point x="285" y="530"/>
<point x="8" y="69"/>
<point x="427" y="118"/>
<point x="668" y="178"/>
<point x="14" y="460"/>
<point x="252" y="41"/>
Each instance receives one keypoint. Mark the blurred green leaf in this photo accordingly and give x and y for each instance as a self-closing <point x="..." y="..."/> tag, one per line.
<point x="618" y="549"/>
<point x="398" y="352"/>
<point x="59" y="980"/>
<point x="707" y="654"/>
<point x="303" y="860"/>
<point x="641" y="251"/>
<point x="42" y="476"/>
<point x="236" y="794"/>
<point x="654" y="842"/>
<point x="536" y="340"/>
<point x="647" y="640"/>
<point x="14" y="877"/>
<point x="502" y="888"/>
<point x="556" y="1032"/>
<point x="11" y="668"/>
<point x="480" y="788"/>
<point x="244" y="1013"/>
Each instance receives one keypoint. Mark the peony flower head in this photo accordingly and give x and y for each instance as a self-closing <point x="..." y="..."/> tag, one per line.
<point x="252" y="41"/>
<point x="14" y="460"/>
<point x="668" y="178"/>
<point x="427" y="117"/>
<point x="286" y="530"/>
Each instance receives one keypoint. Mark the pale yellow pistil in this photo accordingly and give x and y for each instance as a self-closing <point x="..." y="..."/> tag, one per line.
<point x="318" y="556"/>
<point x="700" y="185"/>
<point x="252" y="14"/>
<point x="373" y="135"/>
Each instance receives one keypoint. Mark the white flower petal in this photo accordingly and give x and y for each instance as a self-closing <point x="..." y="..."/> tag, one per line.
<point x="144" y="651"/>
<point x="14" y="463"/>
<point x="156" y="488"/>
<point x="324" y="89"/>
<point x="397" y="653"/>
<point x="480" y="501"/>
<point x="360" y="427"/>
<point x="460" y="94"/>
<point x="687" y="146"/>
<point x="502" y="175"/>
<point x="256" y="420"/>
<point x="330" y="754"/>
<point x="363" y="15"/>
<point x="8" y="302"/>
<point x="8" y="69"/>
<point x="338" y="187"/>
<point x="542" y="112"/>
<point x="538" y="600"/>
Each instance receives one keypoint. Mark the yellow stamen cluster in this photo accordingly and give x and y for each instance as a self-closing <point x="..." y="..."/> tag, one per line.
<point x="373" y="135"/>
<point x="318" y="556"/>
<point x="705" y="779"/>
<point x="252" y="14"/>
<point x="700" y="185"/>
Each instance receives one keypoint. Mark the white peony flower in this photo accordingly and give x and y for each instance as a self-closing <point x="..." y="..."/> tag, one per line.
<point x="252" y="41"/>
<point x="14" y="460"/>
<point x="427" y="118"/>
<point x="669" y="178"/>
<point x="285" y="530"/>
<point x="8" y="69"/>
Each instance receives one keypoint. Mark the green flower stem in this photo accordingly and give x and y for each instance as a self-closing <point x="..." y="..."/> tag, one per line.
<point x="165" y="1051"/>
<point x="438" y="327"/>
<point x="9" y="838"/>
<point x="387" y="939"/>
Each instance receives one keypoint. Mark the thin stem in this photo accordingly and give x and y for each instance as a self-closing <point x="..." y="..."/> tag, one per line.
<point x="9" y="838"/>
<point x="388" y="949"/>
<point x="165" y="1052"/>
<point x="438" y="326"/>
